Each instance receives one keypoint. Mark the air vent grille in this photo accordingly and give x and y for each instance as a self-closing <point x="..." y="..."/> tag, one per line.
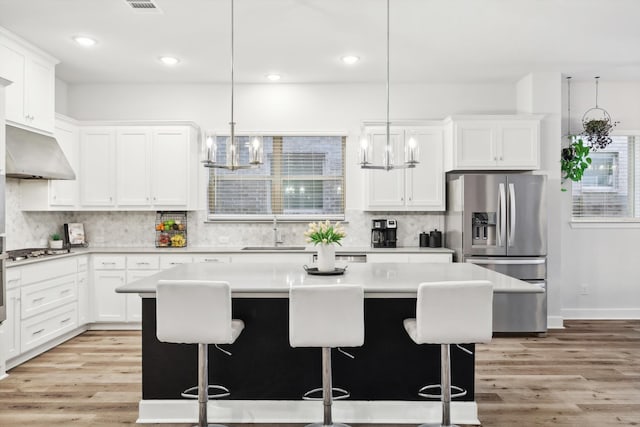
<point x="144" y="6"/>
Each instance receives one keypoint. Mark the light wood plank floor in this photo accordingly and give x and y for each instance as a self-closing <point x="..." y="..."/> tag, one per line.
<point x="585" y="375"/>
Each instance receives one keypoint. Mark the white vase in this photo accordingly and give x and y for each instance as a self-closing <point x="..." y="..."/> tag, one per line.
<point x="326" y="257"/>
<point x="55" y="244"/>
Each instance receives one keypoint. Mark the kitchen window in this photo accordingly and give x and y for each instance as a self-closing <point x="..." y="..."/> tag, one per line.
<point x="302" y="177"/>
<point x="610" y="187"/>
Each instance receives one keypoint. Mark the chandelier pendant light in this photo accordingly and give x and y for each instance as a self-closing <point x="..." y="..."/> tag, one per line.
<point x="411" y="151"/>
<point x="232" y="144"/>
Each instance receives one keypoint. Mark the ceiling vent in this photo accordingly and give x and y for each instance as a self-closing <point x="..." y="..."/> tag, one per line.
<point x="144" y="6"/>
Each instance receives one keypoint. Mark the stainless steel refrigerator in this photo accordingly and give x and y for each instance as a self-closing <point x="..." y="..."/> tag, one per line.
<point x="499" y="221"/>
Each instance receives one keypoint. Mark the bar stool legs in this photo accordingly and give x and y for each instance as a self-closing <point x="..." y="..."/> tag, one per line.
<point x="445" y="389"/>
<point x="203" y="386"/>
<point x="327" y="392"/>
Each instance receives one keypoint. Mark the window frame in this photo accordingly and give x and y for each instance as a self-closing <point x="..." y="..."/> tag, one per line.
<point x="291" y="218"/>
<point x="633" y="179"/>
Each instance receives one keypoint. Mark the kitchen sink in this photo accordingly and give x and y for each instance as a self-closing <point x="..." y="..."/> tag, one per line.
<point x="273" y="248"/>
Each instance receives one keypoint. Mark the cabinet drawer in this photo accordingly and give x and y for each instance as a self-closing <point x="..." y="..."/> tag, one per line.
<point x="143" y="262"/>
<point x="225" y="259"/>
<point x="44" y="327"/>
<point x="14" y="278"/>
<point x="47" y="270"/>
<point x="108" y="262"/>
<point x="47" y="295"/>
<point x="168" y="261"/>
<point x="438" y="258"/>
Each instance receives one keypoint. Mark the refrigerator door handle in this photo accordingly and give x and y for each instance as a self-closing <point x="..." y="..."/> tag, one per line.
<point x="502" y="199"/>
<point x="512" y="215"/>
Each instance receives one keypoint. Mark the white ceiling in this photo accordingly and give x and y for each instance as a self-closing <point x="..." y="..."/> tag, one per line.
<point x="432" y="41"/>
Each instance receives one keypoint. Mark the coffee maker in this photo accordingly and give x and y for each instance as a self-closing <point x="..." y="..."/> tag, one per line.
<point x="383" y="233"/>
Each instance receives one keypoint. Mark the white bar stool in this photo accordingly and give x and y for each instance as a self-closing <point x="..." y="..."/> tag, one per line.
<point x="197" y="312"/>
<point x="451" y="313"/>
<point x="326" y="316"/>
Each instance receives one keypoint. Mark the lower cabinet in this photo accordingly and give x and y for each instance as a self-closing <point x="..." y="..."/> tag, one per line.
<point x="108" y="274"/>
<point x="12" y="324"/>
<point x="133" y="301"/>
<point x="408" y="257"/>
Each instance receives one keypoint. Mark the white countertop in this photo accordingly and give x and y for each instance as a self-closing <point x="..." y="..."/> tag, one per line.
<point x="228" y="250"/>
<point x="379" y="279"/>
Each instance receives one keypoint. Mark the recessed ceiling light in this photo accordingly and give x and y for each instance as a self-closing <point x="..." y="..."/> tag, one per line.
<point x="350" y="59"/>
<point x="84" y="41"/>
<point x="169" y="60"/>
<point x="273" y="77"/>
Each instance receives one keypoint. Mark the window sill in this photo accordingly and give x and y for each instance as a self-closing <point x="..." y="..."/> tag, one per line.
<point x="269" y="219"/>
<point x="604" y="223"/>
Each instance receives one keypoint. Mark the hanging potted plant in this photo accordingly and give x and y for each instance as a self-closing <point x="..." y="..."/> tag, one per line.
<point x="596" y="130"/>
<point x="575" y="160"/>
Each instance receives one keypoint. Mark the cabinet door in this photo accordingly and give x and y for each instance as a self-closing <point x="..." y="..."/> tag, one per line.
<point x="170" y="167"/>
<point x="133" y="151"/>
<point x="385" y="189"/>
<point x="109" y="306"/>
<point x="425" y="182"/>
<point x="474" y="145"/>
<point x="134" y="302"/>
<point x="12" y="324"/>
<point x="39" y="92"/>
<point x="387" y="257"/>
<point x="519" y="145"/>
<point x="64" y="192"/>
<point x="84" y="316"/>
<point x="97" y="167"/>
<point x="12" y="67"/>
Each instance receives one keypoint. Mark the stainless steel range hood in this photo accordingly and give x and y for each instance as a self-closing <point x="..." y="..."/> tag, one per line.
<point x="32" y="155"/>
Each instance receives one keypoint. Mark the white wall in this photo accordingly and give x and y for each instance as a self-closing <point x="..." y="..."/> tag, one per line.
<point x="540" y="93"/>
<point x="62" y="90"/>
<point x="605" y="260"/>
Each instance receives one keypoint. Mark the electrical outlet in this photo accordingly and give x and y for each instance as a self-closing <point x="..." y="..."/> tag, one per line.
<point x="584" y="289"/>
<point x="223" y="239"/>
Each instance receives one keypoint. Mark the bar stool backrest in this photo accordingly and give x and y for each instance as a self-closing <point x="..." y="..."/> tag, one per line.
<point x="193" y="312"/>
<point x="454" y="312"/>
<point x="326" y="315"/>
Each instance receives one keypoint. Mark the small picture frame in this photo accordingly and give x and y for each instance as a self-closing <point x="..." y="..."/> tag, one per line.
<point x="74" y="234"/>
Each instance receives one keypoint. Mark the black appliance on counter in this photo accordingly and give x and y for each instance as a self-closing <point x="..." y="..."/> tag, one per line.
<point x="384" y="233"/>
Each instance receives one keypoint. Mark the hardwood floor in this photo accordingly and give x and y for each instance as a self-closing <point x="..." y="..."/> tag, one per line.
<point x="585" y="375"/>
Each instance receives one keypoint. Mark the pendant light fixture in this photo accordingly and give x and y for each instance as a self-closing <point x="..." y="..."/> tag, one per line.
<point x="233" y="145"/>
<point x="411" y="151"/>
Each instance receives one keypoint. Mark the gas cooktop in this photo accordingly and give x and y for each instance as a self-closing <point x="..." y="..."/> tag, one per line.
<point x="21" y="254"/>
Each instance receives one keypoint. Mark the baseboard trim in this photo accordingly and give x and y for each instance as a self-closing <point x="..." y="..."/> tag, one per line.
<point x="555" y="322"/>
<point x="601" y="313"/>
<point x="23" y="357"/>
<point x="115" y="326"/>
<point x="298" y="411"/>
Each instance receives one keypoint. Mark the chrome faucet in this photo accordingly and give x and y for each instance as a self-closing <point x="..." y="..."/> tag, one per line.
<point x="277" y="237"/>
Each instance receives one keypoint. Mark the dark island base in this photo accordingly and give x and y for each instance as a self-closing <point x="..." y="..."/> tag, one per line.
<point x="389" y="366"/>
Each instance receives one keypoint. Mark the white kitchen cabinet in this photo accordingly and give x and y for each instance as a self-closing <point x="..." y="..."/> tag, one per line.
<point x="97" y="167"/>
<point x="213" y="258"/>
<point x="417" y="189"/>
<point x="84" y="306"/>
<point x="409" y="257"/>
<point x="301" y="258"/>
<point x="108" y="274"/>
<point x="13" y="324"/>
<point x="133" y="146"/>
<point x="31" y="97"/>
<point x="493" y="143"/>
<point x="173" y="160"/>
<point x="168" y="261"/>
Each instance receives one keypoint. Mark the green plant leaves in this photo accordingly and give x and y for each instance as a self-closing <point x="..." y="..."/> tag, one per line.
<point x="575" y="160"/>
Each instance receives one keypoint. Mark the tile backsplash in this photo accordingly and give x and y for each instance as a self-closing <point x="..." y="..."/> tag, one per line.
<point x="136" y="229"/>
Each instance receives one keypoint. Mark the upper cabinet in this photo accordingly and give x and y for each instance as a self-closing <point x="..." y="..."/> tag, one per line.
<point x="416" y="189"/>
<point x="492" y="143"/>
<point x="122" y="168"/>
<point x="30" y="99"/>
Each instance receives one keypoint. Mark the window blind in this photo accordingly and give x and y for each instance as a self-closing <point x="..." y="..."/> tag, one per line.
<point x="301" y="177"/>
<point x="610" y="187"/>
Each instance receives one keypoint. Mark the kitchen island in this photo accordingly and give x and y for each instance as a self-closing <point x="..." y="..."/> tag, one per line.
<point x="267" y="377"/>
